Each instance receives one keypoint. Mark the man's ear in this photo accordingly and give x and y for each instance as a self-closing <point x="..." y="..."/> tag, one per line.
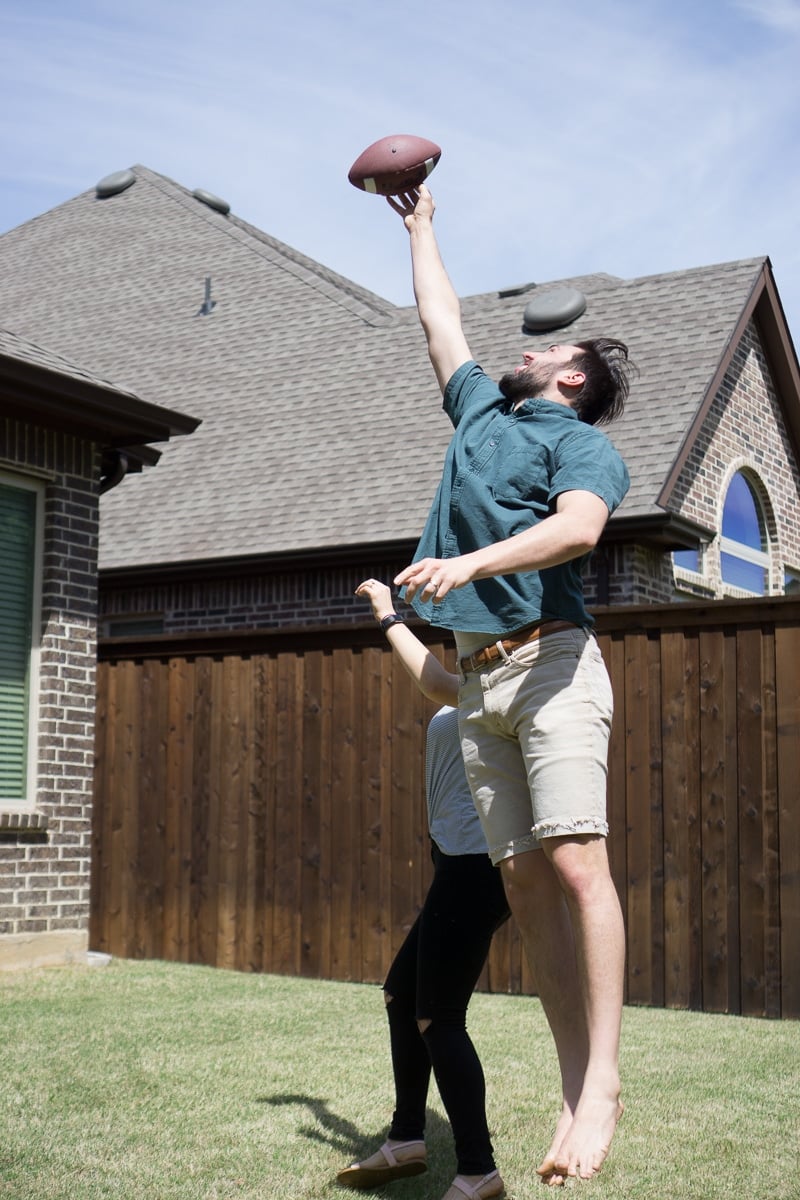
<point x="571" y="379"/>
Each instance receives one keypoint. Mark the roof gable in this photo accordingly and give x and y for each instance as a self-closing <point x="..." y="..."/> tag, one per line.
<point x="321" y="418"/>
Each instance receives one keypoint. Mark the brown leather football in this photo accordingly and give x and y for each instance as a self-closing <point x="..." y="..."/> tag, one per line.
<point x="394" y="164"/>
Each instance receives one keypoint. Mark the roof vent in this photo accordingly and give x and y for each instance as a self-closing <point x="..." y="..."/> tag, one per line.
<point x="113" y="184"/>
<point x="518" y="290"/>
<point x="553" y="309"/>
<point x="220" y="206"/>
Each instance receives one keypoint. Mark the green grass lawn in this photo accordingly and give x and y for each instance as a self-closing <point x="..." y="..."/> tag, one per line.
<point x="168" y="1082"/>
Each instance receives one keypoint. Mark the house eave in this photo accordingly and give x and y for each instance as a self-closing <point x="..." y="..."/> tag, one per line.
<point x="209" y="569"/>
<point x="660" y="531"/>
<point x="663" y="531"/>
<point x="109" y="416"/>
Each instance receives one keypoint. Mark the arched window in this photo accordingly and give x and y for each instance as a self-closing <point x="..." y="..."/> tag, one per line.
<point x="744" y="548"/>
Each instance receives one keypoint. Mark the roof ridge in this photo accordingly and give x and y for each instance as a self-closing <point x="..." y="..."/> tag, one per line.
<point x="373" y="309"/>
<point x="756" y="262"/>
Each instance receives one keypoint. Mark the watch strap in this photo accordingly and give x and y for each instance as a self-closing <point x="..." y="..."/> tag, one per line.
<point x="389" y="620"/>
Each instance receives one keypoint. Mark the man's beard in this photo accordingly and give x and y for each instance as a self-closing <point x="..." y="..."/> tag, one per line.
<point x="527" y="383"/>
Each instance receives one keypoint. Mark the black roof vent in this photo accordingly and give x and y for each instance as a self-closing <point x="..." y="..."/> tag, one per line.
<point x="220" y="206"/>
<point x="553" y="309"/>
<point x="113" y="184"/>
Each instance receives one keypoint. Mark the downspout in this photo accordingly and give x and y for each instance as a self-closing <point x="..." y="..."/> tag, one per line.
<point x="120" y="469"/>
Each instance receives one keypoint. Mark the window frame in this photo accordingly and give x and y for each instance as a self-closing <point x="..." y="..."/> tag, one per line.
<point x="12" y="804"/>
<point x="741" y="550"/>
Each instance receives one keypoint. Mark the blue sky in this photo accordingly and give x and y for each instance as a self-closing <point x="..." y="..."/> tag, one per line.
<point x="626" y="136"/>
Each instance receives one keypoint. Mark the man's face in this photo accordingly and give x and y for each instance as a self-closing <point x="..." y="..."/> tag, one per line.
<point x="538" y="369"/>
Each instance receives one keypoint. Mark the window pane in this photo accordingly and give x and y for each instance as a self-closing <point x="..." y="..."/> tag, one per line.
<point x="17" y="541"/>
<point x="741" y="574"/>
<point x="688" y="559"/>
<point x="740" y="516"/>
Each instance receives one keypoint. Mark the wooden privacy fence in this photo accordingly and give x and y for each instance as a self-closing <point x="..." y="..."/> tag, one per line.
<point x="259" y="804"/>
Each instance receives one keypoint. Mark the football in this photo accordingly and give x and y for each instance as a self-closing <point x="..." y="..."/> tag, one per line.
<point x="394" y="164"/>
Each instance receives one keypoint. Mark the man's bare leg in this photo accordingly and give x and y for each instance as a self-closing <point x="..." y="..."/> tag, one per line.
<point x="581" y="865"/>
<point x="533" y="889"/>
<point x="581" y="991"/>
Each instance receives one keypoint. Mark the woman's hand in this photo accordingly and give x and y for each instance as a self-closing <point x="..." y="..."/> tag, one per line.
<point x="379" y="596"/>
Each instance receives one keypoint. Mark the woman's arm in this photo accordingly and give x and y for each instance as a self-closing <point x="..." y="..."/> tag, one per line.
<point x="432" y="679"/>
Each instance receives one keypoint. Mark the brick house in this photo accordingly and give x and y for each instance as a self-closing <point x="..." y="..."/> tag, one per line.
<point x="63" y="435"/>
<point x="322" y="433"/>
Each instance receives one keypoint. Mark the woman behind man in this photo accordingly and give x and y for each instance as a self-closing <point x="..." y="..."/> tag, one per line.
<point x="431" y="980"/>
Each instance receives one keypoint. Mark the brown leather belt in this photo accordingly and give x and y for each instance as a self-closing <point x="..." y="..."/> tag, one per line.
<point x="471" y="662"/>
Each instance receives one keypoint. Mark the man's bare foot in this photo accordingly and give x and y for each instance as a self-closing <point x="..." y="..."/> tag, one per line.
<point x="585" y="1147"/>
<point x="547" y="1167"/>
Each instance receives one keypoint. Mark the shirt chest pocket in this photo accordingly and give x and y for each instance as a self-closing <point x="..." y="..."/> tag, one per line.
<point x="520" y="478"/>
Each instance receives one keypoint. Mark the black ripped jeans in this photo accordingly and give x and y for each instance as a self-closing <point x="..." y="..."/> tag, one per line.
<point x="432" y="978"/>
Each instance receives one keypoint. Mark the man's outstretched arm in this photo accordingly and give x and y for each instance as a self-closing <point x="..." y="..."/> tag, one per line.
<point x="573" y="530"/>
<point x="437" y="303"/>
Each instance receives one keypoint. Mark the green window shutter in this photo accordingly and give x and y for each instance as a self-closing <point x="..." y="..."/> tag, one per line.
<point x="17" y="554"/>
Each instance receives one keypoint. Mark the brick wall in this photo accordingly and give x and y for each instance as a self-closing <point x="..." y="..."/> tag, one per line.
<point x="290" y="598"/>
<point x="744" y="430"/>
<point x="45" y="851"/>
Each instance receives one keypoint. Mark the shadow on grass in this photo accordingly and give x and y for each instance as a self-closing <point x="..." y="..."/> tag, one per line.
<point x="352" y="1143"/>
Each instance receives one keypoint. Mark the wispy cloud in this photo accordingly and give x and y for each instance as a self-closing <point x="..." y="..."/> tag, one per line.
<point x="780" y="15"/>
<point x="630" y="136"/>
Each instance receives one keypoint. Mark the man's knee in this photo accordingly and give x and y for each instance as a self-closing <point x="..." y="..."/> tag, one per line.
<point x="580" y="863"/>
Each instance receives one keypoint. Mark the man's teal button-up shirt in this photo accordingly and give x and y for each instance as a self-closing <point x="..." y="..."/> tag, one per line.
<point x="503" y="472"/>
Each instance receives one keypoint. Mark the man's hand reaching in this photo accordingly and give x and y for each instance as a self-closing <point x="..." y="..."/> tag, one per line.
<point x="414" y="206"/>
<point x="433" y="578"/>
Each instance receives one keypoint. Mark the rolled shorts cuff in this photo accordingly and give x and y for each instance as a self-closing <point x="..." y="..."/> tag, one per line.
<point x="577" y="827"/>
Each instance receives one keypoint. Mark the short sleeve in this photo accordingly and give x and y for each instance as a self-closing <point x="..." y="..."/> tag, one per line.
<point x="587" y="462"/>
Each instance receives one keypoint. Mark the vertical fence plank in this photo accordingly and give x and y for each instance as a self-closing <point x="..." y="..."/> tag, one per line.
<point x="125" y="867"/>
<point x="151" y="824"/>
<point x="643" y="869"/>
<point x="316" y="734"/>
<point x="770" y="850"/>
<point x="288" y="784"/>
<point x="751" y="821"/>
<point x="105" y="728"/>
<point x="719" y="826"/>
<point x="346" y="833"/>
<point x="787" y="658"/>
<point x="374" y="697"/>
<point x="254" y="858"/>
<point x="227" y="742"/>
<point x="682" y="848"/>
<point x="267" y="755"/>
<point x="203" y="926"/>
<point x="177" y="816"/>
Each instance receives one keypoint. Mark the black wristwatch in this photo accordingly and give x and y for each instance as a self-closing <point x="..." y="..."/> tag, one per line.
<point x="389" y="620"/>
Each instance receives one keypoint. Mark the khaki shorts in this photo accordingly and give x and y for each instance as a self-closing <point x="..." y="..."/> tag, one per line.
<point x="534" y="733"/>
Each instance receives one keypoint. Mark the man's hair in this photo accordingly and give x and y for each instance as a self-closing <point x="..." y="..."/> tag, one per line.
<point x="602" y="396"/>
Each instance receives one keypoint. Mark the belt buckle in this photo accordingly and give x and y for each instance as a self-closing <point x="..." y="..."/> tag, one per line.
<point x="469" y="663"/>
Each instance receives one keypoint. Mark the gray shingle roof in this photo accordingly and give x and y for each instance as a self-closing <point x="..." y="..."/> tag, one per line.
<point x="21" y="350"/>
<point x="321" y="418"/>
